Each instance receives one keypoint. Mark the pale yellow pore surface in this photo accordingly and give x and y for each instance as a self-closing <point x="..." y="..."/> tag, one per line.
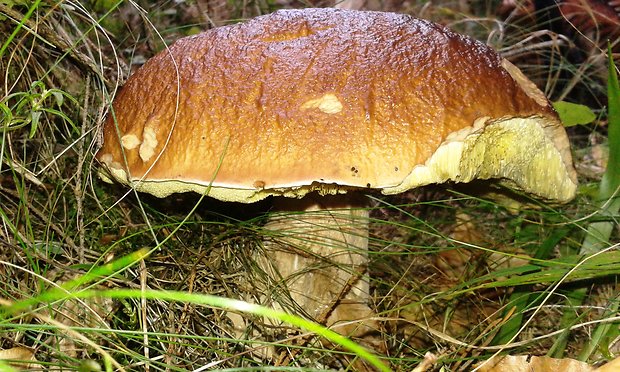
<point x="517" y="151"/>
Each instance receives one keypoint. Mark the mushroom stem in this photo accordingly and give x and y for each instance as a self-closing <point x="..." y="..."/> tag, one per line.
<point x="319" y="257"/>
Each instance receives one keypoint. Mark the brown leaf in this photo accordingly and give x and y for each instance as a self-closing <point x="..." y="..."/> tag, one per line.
<point x="518" y="363"/>
<point x="453" y="262"/>
<point x="18" y="357"/>
<point x="427" y="363"/>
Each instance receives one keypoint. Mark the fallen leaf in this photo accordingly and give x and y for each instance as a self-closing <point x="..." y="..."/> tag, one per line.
<point x="428" y="362"/>
<point x="19" y="357"/>
<point x="525" y="363"/>
<point x="600" y="155"/>
<point x="453" y="262"/>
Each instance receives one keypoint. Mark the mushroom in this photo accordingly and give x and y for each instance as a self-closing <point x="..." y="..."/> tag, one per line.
<point x="317" y="107"/>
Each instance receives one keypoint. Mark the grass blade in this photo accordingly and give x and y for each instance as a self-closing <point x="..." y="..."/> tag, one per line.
<point x="219" y="302"/>
<point x="598" y="233"/>
<point x="521" y="298"/>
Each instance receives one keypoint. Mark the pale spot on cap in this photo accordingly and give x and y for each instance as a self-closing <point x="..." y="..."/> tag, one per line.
<point x="329" y="104"/>
<point x="149" y="143"/>
<point x="130" y="141"/>
<point x="108" y="159"/>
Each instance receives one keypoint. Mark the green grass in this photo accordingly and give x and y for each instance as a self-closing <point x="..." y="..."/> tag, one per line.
<point x="597" y="239"/>
<point x="93" y="276"/>
<point x="73" y="290"/>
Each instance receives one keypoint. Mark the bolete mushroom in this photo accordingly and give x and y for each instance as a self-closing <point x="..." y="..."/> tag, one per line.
<point x="317" y="107"/>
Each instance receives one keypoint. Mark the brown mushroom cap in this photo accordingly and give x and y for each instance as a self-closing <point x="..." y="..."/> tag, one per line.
<point x="329" y="100"/>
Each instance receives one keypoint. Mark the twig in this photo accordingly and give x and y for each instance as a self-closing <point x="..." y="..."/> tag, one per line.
<point x="77" y="188"/>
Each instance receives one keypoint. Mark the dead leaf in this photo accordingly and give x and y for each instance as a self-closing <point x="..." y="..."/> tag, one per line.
<point x="19" y="357"/>
<point x="600" y="157"/>
<point x="512" y="258"/>
<point x="466" y="230"/>
<point x="525" y="363"/>
<point x="453" y="263"/>
<point x="428" y="362"/>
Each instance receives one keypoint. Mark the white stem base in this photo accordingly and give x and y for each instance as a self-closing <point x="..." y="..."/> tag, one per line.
<point x="316" y="261"/>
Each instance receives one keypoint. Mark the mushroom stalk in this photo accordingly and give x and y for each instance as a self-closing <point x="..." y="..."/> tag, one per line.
<point x="315" y="258"/>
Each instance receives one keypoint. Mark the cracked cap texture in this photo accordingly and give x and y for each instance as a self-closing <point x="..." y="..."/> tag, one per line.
<point x="330" y="100"/>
